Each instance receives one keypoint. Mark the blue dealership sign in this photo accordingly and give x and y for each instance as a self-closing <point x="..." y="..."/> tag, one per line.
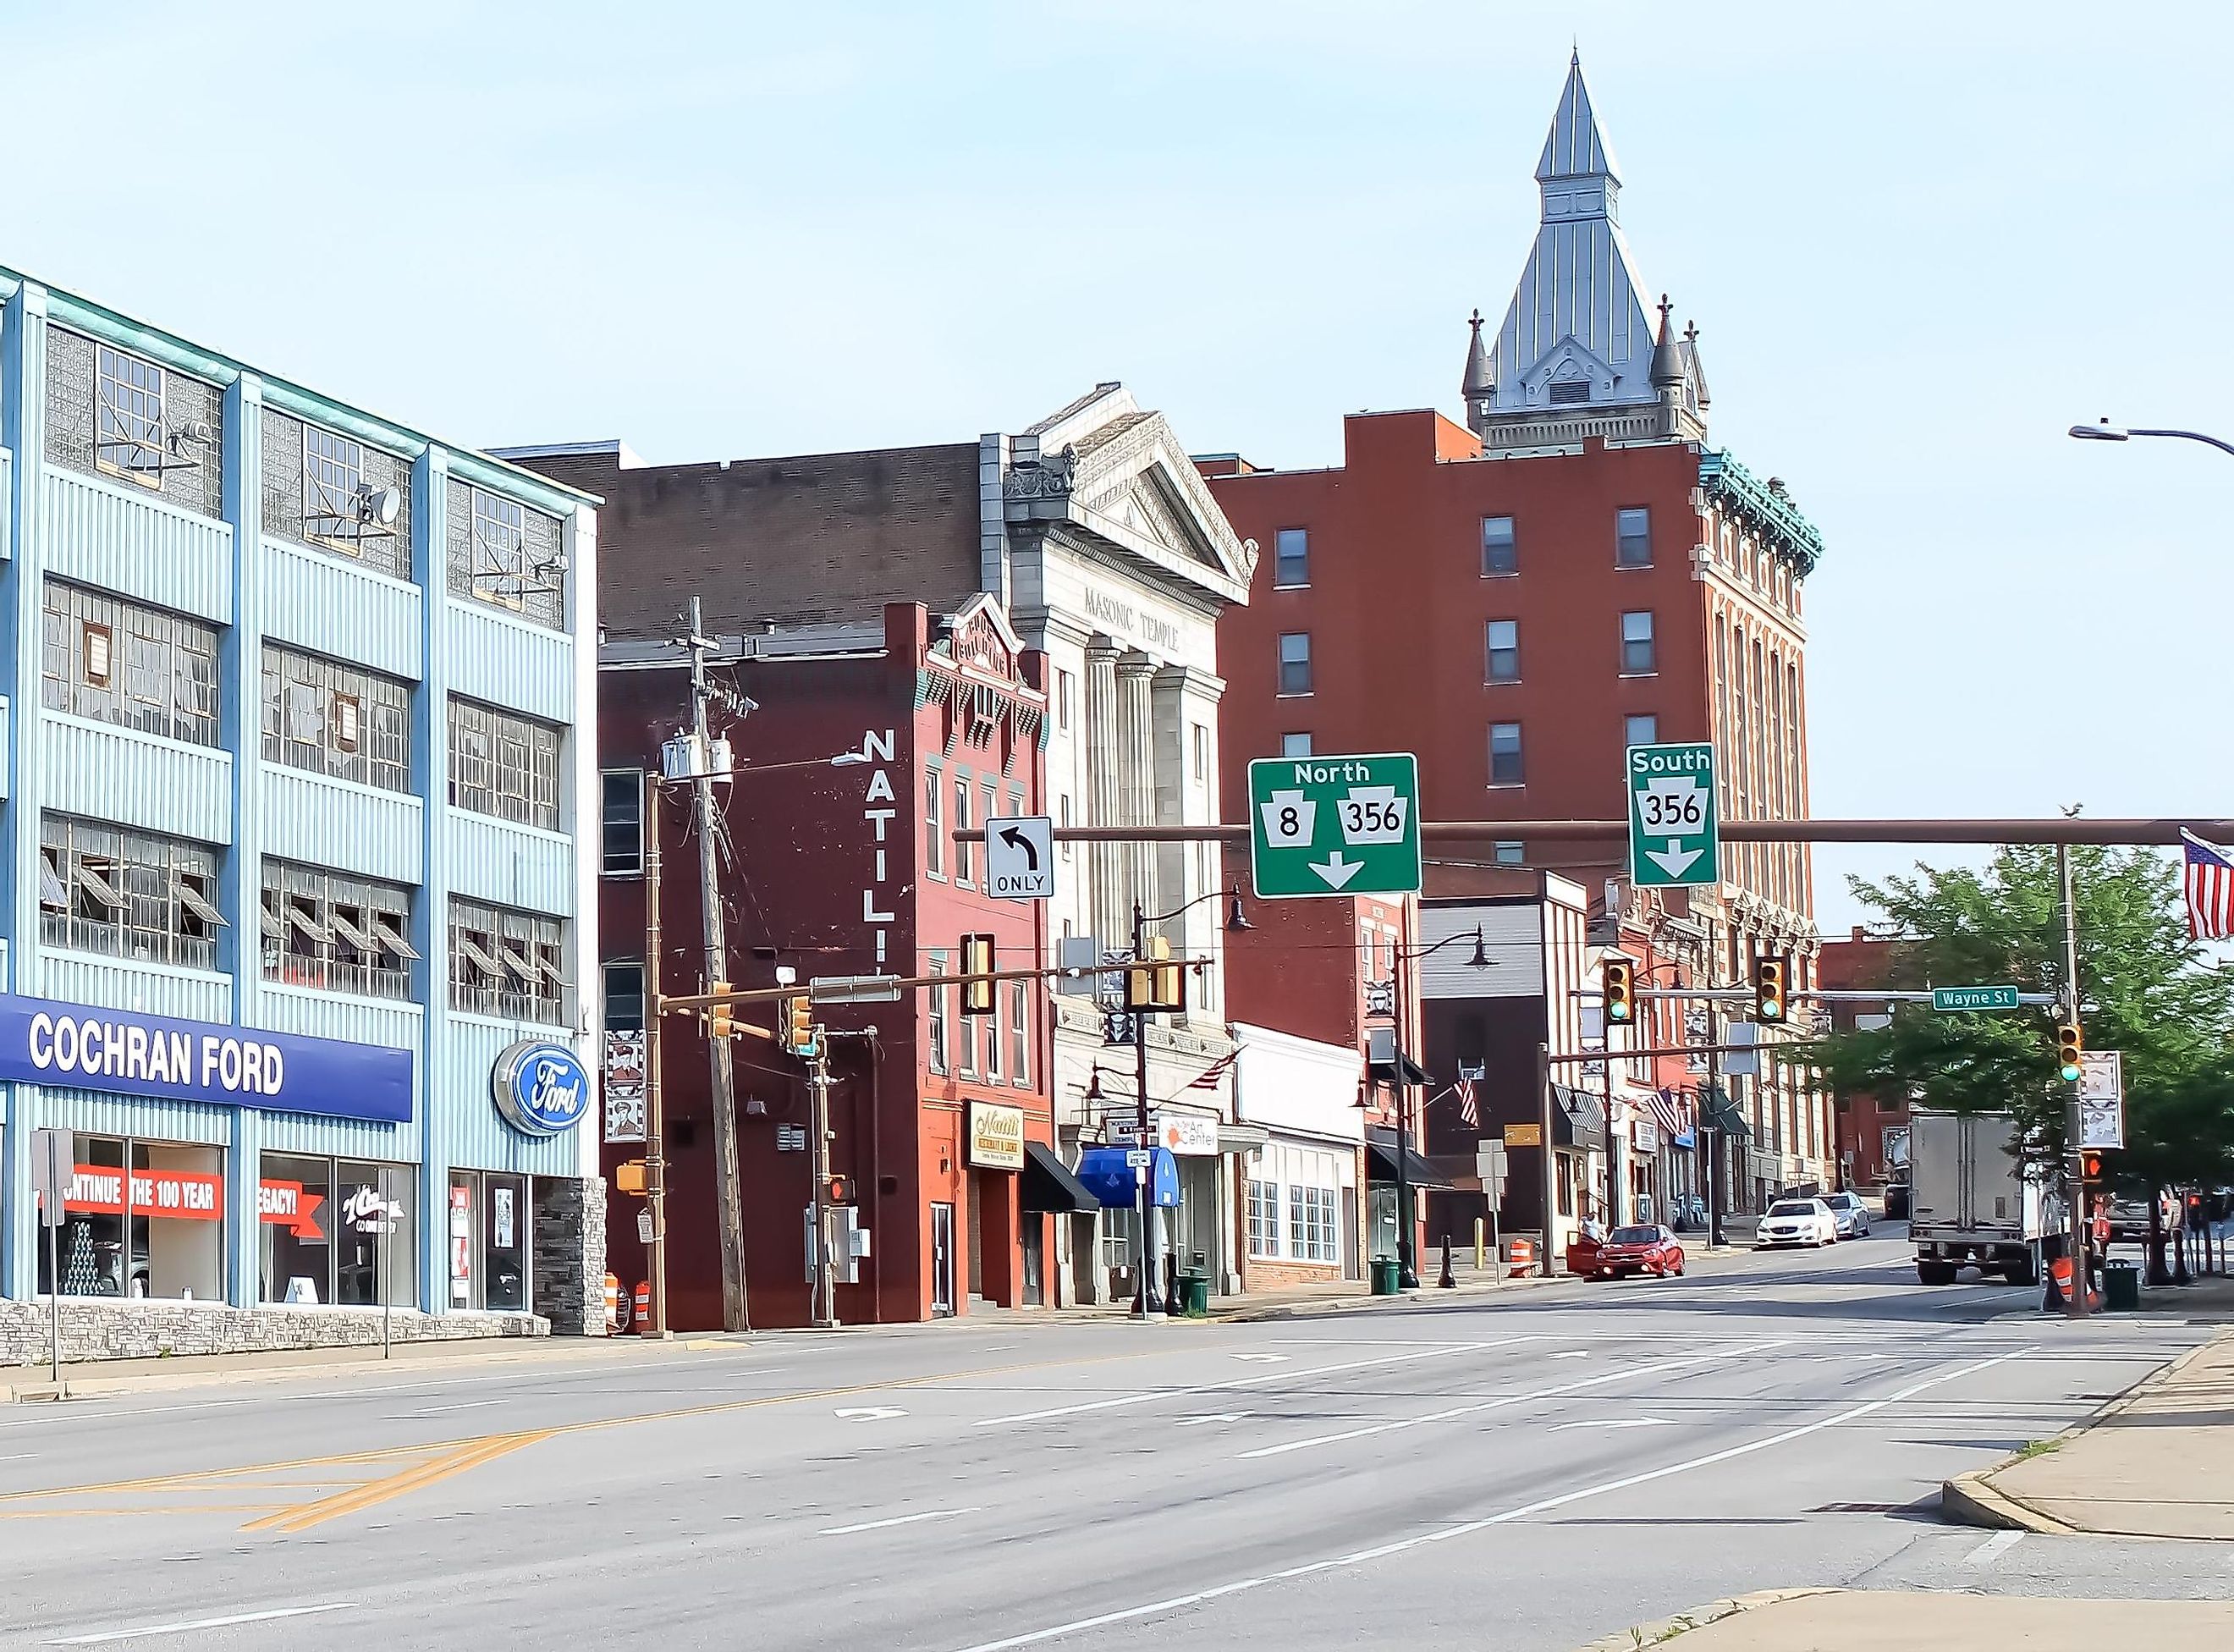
<point x="540" y="1088"/>
<point x="79" y="1047"/>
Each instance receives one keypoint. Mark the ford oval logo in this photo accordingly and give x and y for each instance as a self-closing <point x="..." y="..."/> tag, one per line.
<point x="540" y="1088"/>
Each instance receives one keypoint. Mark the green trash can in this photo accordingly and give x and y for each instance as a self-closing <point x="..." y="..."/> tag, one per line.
<point x="1386" y="1276"/>
<point x="1194" y="1295"/>
<point x="2121" y="1287"/>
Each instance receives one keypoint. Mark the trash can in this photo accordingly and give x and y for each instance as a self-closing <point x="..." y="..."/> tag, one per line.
<point x="1387" y="1276"/>
<point x="2121" y="1287"/>
<point x="1194" y="1294"/>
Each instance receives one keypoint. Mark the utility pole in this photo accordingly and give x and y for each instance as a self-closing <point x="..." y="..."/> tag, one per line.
<point x="1407" y="1272"/>
<point x="822" y="1310"/>
<point x="735" y="1311"/>
<point x="1146" y="1139"/>
<point x="1550" y="1170"/>
<point x="654" y="1127"/>
<point x="2075" y="1168"/>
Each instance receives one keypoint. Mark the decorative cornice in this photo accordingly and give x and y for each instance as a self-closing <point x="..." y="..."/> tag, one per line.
<point x="1771" y="517"/>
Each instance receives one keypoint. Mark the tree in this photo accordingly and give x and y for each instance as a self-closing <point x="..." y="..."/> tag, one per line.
<point x="2146" y="990"/>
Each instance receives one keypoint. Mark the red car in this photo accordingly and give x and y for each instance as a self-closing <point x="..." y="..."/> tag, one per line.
<point x="1650" y="1249"/>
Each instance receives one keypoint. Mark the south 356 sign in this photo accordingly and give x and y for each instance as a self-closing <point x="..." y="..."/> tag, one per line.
<point x="541" y="1089"/>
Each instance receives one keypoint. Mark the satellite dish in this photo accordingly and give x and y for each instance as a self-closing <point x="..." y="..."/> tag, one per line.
<point x="380" y="506"/>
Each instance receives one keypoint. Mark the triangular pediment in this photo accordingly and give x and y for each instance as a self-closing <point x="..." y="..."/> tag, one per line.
<point x="979" y="637"/>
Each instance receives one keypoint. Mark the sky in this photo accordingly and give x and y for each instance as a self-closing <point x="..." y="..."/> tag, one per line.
<point x="1919" y="240"/>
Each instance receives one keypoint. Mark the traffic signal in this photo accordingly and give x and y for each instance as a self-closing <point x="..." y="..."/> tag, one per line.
<point x="837" y="1190"/>
<point x="2090" y="1167"/>
<point x="629" y="1177"/>
<point x="976" y="960"/>
<point x="2070" y="1045"/>
<point x="1157" y="985"/>
<point x="1770" y="976"/>
<point x="1618" y="980"/>
<point x="721" y="1019"/>
<point x="799" y="1025"/>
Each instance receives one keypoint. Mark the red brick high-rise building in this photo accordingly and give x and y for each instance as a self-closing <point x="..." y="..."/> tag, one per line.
<point x="1573" y="570"/>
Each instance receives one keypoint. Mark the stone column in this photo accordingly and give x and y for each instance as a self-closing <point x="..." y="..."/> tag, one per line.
<point x="1136" y="776"/>
<point x="1107" y="861"/>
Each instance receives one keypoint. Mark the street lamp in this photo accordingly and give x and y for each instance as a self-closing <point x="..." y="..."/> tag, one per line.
<point x="1408" y="1275"/>
<point x="1237" y="921"/>
<point x="2108" y="432"/>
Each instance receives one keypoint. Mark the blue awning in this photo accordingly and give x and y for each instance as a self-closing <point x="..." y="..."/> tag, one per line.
<point x="1111" y="1179"/>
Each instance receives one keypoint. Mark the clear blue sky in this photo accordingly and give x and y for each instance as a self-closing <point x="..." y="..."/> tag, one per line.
<point x="1919" y="240"/>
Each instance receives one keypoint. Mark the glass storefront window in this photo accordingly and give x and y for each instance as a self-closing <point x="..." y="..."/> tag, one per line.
<point x="295" y="1209"/>
<point x="462" y="1272"/>
<point x="504" y="1252"/>
<point x="322" y="1240"/>
<point x="144" y="1219"/>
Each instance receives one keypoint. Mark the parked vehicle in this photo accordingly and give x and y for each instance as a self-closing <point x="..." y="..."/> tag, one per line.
<point x="1797" y="1221"/>
<point x="1974" y="1206"/>
<point x="1897" y="1201"/>
<point x="2129" y="1219"/>
<point x="1647" y="1249"/>
<point x="1852" y="1216"/>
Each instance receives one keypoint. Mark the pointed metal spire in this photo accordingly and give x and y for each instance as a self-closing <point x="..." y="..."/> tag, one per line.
<point x="1575" y="146"/>
<point x="1667" y="361"/>
<point x="1479" y="385"/>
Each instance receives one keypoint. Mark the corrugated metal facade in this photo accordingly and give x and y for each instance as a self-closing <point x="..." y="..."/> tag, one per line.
<point x="240" y="574"/>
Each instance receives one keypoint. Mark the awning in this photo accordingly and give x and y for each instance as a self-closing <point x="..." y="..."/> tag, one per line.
<point x="1577" y="1119"/>
<point x="1242" y="1137"/>
<point x="1380" y="1154"/>
<point x="1047" y="1185"/>
<point x="1405" y="1070"/>
<point x="1718" y="1111"/>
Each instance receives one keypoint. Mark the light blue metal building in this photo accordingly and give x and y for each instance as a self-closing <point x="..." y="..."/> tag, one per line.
<point x="296" y="706"/>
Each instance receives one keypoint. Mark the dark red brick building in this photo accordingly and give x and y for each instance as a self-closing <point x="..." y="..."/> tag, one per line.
<point x="1872" y="1128"/>
<point x="830" y="871"/>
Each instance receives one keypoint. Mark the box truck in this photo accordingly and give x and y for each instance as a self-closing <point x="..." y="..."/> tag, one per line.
<point x="1971" y="1204"/>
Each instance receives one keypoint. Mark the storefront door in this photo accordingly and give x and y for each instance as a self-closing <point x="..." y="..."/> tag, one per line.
<point x="1031" y="1242"/>
<point x="941" y="1260"/>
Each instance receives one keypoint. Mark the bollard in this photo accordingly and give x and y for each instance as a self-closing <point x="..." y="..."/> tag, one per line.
<point x="1448" y="1282"/>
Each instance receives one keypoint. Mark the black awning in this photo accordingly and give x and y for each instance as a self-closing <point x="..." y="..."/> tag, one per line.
<point x="1380" y="1151"/>
<point x="1048" y="1187"/>
<point x="1577" y="1119"/>
<point x="1718" y="1111"/>
<point x="1404" y="1071"/>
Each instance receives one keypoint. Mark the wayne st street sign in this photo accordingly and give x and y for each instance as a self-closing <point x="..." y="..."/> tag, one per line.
<point x="1949" y="1000"/>
<point x="1673" y="829"/>
<point x="1334" y="826"/>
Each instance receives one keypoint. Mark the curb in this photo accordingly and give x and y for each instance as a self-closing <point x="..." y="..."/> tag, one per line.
<point x="1669" y="1628"/>
<point x="1974" y="1499"/>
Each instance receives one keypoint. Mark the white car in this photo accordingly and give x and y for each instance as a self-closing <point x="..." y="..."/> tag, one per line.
<point x="1852" y="1215"/>
<point x="1797" y="1221"/>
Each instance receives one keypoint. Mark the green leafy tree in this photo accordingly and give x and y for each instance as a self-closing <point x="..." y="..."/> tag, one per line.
<point x="2146" y="990"/>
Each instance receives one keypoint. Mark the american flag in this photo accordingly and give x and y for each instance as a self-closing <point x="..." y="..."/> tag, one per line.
<point x="1669" y="1111"/>
<point x="1468" y="1110"/>
<point x="2209" y="884"/>
<point x="1208" y="1078"/>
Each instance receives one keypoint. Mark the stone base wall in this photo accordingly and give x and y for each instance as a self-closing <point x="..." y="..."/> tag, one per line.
<point x="1275" y="1275"/>
<point x="146" y="1330"/>
<point x="570" y="1254"/>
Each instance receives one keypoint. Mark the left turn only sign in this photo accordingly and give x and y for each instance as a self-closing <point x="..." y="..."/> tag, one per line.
<point x="1020" y="857"/>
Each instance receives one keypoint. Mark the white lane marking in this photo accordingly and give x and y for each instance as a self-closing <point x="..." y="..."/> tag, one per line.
<point x="1612" y="1422"/>
<point x="1180" y="1603"/>
<point x="462" y="1405"/>
<point x="1573" y="1353"/>
<point x="205" y="1623"/>
<point x="1212" y="1416"/>
<point x="1263" y="1359"/>
<point x="897" y="1520"/>
<point x="1993" y="1549"/>
<point x="1153" y="1395"/>
<point x="1479" y="1406"/>
<point x="868" y="1413"/>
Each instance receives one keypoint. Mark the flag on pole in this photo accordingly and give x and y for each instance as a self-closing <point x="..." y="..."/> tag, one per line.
<point x="1468" y="1110"/>
<point x="1208" y="1078"/>
<point x="2210" y="886"/>
<point x="1664" y="1109"/>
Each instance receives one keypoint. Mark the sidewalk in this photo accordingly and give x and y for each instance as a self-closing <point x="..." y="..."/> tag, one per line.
<point x="1832" y="1619"/>
<point x="2157" y="1462"/>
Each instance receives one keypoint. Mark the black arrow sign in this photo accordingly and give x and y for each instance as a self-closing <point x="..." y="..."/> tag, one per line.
<point x="1015" y="840"/>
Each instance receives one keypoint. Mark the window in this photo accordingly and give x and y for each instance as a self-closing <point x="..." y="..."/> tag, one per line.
<point x="1019" y="1034"/>
<point x="334" y="933"/>
<point x="1641" y="728"/>
<point x="934" y="821"/>
<point x="127" y="894"/>
<point x="936" y="999"/>
<point x="506" y="963"/>
<point x="1510" y="854"/>
<point x="1291" y="557"/>
<point x="623" y="821"/>
<point x="1062" y="818"/>
<point x="128" y="415"/>
<point x="316" y="1260"/>
<point x="1295" y="662"/>
<point x="1265" y="1219"/>
<point x="991" y="811"/>
<point x="1311" y="1224"/>
<point x="993" y="1038"/>
<point x="504" y="765"/>
<point x="1632" y="538"/>
<point x="1500" y="551"/>
<point x="333" y="475"/>
<point x="334" y="719"/>
<point x="1295" y="745"/>
<point x="1504" y="765"/>
<point x="1201" y="738"/>
<point x="122" y="662"/>
<point x="1504" y="650"/>
<point x="505" y="554"/>
<point x="1636" y="644"/>
<point x="965" y="856"/>
<point x="1062" y="692"/>
<point x="141" y="1219"/>
<point x="624" y="997"/>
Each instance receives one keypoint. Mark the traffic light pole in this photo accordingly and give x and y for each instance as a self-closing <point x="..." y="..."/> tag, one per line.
<point x="822" y="1309"/>
<point x="655" y="1129"/>
<point x="1143" y="1204"/>
<point x="2075" y="1302"/>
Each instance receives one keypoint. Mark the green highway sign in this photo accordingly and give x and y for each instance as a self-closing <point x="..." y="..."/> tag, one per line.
<point x="1674" y="828"/>
<point x="1949" y="1000"/>
<point x="1334" y="826"/>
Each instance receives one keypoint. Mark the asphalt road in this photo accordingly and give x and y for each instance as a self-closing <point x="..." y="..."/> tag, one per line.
<point x="1528" y="1473"/>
